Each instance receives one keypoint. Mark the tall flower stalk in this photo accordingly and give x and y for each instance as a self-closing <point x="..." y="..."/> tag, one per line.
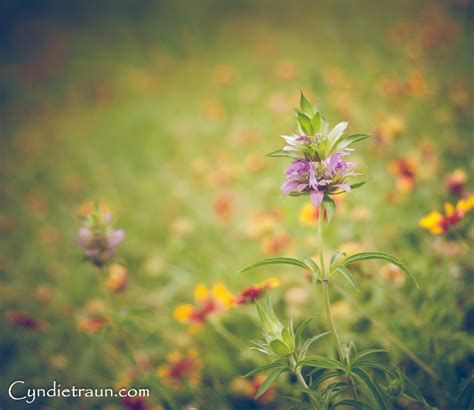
<point x="353" y="379"/>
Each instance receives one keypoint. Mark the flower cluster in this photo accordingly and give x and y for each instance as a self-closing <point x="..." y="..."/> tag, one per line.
<point x="218" y="299"/>
<point x="181" y="369"/>
<point x="98" y="238"/>
<point x="319" y="168"/>
<point x="437" y="223"/>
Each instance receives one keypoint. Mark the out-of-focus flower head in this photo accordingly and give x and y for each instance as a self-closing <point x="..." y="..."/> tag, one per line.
<point x="404" y="171"/>
<point x="117" y="278"/>
<point x="254" y="292"/>
<point x="391" y="127"/>
<point x="92" y="324"/>
<point x="138" y="403"/>
<point x="25" y="320"/>
<point x="249" y="387"/>
<point x="318" y="168"/>
<point x="275" y="244"/>
<point x="98" y="237"/>
<point x="208" y="302"/>
<point x="393" y="273"/>
<point x="437" y="223"/>
<point x="181" y="369"/>
<point x="455" y="183"/>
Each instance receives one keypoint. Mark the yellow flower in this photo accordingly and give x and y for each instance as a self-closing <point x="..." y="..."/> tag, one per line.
<point x="308" y="214"/>
<point x="436" y="223"/>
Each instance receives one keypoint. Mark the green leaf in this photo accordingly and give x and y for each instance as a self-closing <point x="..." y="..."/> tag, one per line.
<point x="301" y="328"/>
<point x="311" y="340"/>
<point x="335" y="256"/>
<point x="380" y="255"/>
<point x="347" y="275"/>
<point x="366" y="352"/>
<point x="268" y="382"/>
<point x="337" y="131"/>
<point x="465" y="400"/>
<point x="330" y="206"/>
<point x="263" y="368"/>
<point x="323" y="363"/>
<point x="279" y="347"/>
<point x="316" y="272"/>
<point x="412" y="390"/>
<point x="354" y="404"/>
<point x="305" y="123"/>
<point x="371" y="388"/>
<point x="277" y="261"/>
<point x="305" y="105"/>
<point x="325" y="376"/>
<point x="374" y="365"/>
<point x="279" y="154"/>
<point x="357" y="184"/>
<point x="342" y="143"/>
<point x="316" y="121"/>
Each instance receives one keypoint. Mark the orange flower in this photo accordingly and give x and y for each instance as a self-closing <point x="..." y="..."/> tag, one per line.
<point x="404" y="171"/>
<point x="92" y="324"/>
<point x="209" y="302"/>
<point x="275" y="244"/>
<point x="181" y="369"/>
<point x="437" y="223"/>
<point x="249" y="387"/>
<point x="254" y="292"/>
<point x="117" y="278"/>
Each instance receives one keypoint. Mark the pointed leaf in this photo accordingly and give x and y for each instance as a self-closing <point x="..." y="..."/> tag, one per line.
<point x="277" y="261"/>
<point x="335" y="256"/>
<point x="380" y="255"/>
<point x="301" y="328"/>
<point x="351" y="139"/>
<point x="316" y="121"/>
<point x="315" y="272"/>
<point x="263" y="368"/>
<point x="357" y="185"/>
<point x="336" y="132"/>
<point x="305" y="105"/>
<point x="279" y="153"/>
<point x="366" y="352"/>
<point x="268" y="382"/>
<point x="371" y="388"/>
<point x="305" y="123"/>
<point x="347" y="275"/>
<point x="374" y="365"/>
<point x="311" y="340"/>
<point x="322" y="362"/>
<point x="354" y="404"/>
<point x="330" y="206"/>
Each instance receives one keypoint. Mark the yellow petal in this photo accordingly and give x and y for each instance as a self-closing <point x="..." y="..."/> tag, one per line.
<point x="431" y="220"/>
<point x="183" y="312"/>
<point x="448" y="208"/>
<point x="201" y="292"/>
<point x="222" y="294"/>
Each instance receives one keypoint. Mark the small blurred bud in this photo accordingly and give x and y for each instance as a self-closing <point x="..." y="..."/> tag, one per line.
<point x="117" y="278"/>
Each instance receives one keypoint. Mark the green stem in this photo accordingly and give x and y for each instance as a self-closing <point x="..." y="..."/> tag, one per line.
<point x="388" y="336"/>
<point x="325" y="284"/>
<point x="302" y="381"/>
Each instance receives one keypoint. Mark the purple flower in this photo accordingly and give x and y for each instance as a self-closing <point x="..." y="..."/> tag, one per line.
<point x="98" y="238"/>
<point x="318" y="177"/>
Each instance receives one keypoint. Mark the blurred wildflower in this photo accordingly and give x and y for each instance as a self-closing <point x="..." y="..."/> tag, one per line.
<point x="249" y="387"/>
<point x="393" y="273"/>
<point x="98" y="238"/>
<point x="254" y="292"/>
<point x="222" y="207"/>
<point x="208" y="302"/>
<point x="254" y="163"/>
<point x="92" y="324"/>
<point x="455" y="183"/>
<point x="138" y="403"/>
<point x="25" y="320"/>
<point x="263" y="222"/>
<point x="59" y="361"/>
<point x="308" y="214"/>
<point x="213" y="111"/>
<point x="117" y="278"/>
<point x="181" y="226"/>
<point x="389" y="128"/>
<point x="223" y="74"/>
<point x="286" y="70"/>
<point x="416" y="84"/>
<point x="437" y="223"/>
<point x="48" y="234"/>
<point x="404" y="171"/>
<point x="275" y="244"/>
<point x="181" y="369"/>
<point x="36" y="203"/>
<point x="43" y="293"/>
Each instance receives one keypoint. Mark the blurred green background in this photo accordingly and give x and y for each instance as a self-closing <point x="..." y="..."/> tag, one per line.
<point x="164" y="111"/>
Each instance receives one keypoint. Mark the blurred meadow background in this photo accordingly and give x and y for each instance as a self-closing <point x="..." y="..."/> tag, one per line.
<point x="163" y="112"/>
